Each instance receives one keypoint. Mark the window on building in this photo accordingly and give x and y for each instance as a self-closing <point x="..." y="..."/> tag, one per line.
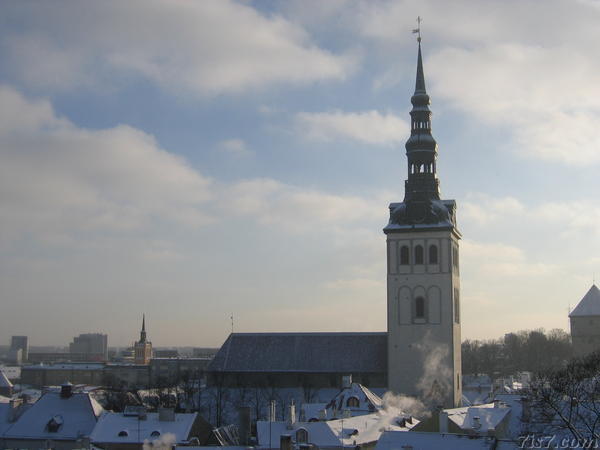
<point x="404" y="255"/>
<point x="433" y="254"/>
<point x="352" y="402"/>
<point x="54" y="424"/>
<point x="301" y="436"/>
<point x="419" y="308"/>
<point x="419" y="254"/>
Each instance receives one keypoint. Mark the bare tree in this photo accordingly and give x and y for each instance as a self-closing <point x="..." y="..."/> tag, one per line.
<point x="566" y="401"/>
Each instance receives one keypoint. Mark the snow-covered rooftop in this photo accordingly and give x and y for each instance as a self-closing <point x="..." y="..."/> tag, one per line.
<point x="589" y="304"/>
<point x="351" y="431"/>
<point x="394" y="440"/>
<point x="67" y="366"/>
<point x="479" y="418"/>
<point x="72" y="417"/>
<point x="118" y="428"/>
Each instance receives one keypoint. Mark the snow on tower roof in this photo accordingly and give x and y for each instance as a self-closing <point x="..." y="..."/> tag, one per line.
<point x="589" y="304"/>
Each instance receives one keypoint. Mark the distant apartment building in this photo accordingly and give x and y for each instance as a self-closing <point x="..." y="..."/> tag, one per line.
<point x="59" y="373"/>
<point x="19" y="349"/>
<point x="90" y="347"/>
<point x="166" y="353"/>
<point x="166" y="371"/>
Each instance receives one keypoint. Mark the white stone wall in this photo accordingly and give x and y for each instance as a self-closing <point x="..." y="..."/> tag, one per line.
<point x="424" y="350"/>
<point x="585" y="334"/>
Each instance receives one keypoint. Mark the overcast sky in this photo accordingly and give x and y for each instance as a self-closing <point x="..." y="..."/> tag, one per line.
<point x="190" y="159"/>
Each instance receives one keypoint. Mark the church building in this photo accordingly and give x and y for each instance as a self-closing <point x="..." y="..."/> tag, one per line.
<point x="143" y="348"/>
<point x="420" y="354"/>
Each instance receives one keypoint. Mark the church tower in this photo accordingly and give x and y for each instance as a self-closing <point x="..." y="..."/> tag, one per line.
<point x="143" y="347"/>
<point x="424" y="347"/>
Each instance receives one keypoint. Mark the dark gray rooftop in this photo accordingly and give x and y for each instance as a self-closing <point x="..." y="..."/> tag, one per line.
<point x="302" y="352"/>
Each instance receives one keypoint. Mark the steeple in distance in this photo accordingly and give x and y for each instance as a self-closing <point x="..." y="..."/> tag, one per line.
<point x="143" y="332"/>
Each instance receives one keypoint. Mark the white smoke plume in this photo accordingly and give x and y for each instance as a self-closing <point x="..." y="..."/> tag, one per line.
<point x="398" y="404"/>
<point x="165" y="442"/>
<point x="436" y="382"/>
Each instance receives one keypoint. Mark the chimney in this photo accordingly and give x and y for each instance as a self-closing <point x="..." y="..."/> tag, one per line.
<point x="322" y="414"/>
<point x="346" y="381"/>
<point x="292" y="415"/>
<point x="166" y="414"/>
<point x="66" y="390"/>
<point x="272" y="416"/>
<point x="14" y="410"/>
<point x="285" y="442"/>
<point x="244" y="424"/>
<point x="443" y="421"/>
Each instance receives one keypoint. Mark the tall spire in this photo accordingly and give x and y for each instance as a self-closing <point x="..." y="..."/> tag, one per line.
<point x="420" y="83"/>
<point x="421" y="148"/>
<point x="422" y="204"/>
<point x="143" y="332"/>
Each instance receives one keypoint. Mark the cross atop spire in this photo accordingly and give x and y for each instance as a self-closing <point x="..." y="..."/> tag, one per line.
<point x="418" y="29"/>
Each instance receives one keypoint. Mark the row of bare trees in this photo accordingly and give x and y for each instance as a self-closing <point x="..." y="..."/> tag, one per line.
<point x="531" y="350"/>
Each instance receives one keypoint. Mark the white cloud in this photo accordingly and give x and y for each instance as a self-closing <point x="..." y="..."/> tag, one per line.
<point x="55" y="176"/>
<point x="371" y="127"/>
<point x="235" y="147"/>
<point x="482" y="209"/>
<point x="296" y="209"/>
<point x="208" y="47"/>
<point x="500" y="260"/>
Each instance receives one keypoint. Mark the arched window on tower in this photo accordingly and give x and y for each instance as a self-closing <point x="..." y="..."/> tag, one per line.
<point x="433" y="254"/>
<point x="419" y="254"/>
<point x="404" y="256"/>
<point x="419" y="308"/>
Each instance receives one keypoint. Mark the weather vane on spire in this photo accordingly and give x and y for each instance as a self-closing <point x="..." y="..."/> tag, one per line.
<point x="418" y="29"/>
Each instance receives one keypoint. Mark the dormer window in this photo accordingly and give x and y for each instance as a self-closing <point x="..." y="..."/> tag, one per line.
<point x="54" y="424"/>
<point x="352" y="402"/>
<point x="123" y="433"/>
<point x="301" y="436"/>
<point x="155" y="433"/>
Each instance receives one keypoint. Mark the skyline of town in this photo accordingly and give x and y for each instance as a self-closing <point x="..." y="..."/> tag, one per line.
<point x="250" y="172"/>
